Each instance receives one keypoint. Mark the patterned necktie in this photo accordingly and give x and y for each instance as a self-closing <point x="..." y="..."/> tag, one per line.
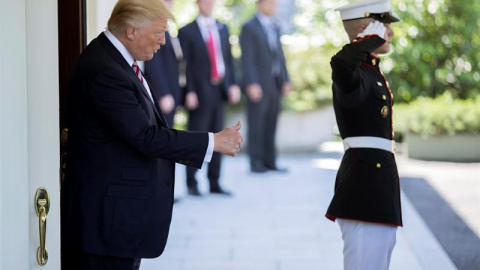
<point x="214" y="74"/>
<point x="136" y="69"/>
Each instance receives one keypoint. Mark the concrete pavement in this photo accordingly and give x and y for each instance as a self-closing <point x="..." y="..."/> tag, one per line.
<point x="276" y="222"/>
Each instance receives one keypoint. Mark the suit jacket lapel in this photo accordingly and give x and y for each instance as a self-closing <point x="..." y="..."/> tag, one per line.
<point x="157" y="109"/>
<point x="262" y="33"/>
<point x="200" y="39"/>
<point x="117" y="56"/>
<point x="222" y="33"/>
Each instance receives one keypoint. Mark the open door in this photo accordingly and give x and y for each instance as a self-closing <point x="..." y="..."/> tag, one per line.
<point x="29" y="128"/>
<point x="71" y="42"/>
<point x="40" y="41"/>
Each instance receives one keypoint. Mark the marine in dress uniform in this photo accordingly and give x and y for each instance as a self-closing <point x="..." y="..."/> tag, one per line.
<point x="366" y="203"/>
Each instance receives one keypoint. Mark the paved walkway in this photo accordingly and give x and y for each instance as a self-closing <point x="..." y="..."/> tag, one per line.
<point x="276" y="222"/>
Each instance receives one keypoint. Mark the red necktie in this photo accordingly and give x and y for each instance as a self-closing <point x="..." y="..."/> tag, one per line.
<point x="214" y="75"/>
<point x="136" y="69"/>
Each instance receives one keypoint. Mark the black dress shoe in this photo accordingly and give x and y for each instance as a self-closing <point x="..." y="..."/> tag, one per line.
<point x="220" y="191"/>
<point x="277" y="169"/>
<point x="258" y="169"/>
<point x="194" y="191"/>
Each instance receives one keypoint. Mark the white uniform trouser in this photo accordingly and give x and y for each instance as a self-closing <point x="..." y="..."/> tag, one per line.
<point x="367" y="246"/>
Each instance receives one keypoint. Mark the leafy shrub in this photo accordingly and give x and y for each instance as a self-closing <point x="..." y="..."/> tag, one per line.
<point x="438" y="116"/>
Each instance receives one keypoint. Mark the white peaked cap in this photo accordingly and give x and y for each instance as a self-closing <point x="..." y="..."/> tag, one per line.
<point x="376" y="9"/>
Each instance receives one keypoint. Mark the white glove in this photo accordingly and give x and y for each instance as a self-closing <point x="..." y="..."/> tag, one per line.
<point x="374" y="28"/>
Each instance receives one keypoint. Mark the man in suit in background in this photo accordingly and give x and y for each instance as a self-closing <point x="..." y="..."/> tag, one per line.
<point x="118" y="193"/>
<point x="266" y="80"/>
<point x="211" y="80"/>
<point x="166" y="74"/>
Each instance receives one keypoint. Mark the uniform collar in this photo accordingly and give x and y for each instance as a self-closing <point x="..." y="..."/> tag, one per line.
<point x="374" y="61"/>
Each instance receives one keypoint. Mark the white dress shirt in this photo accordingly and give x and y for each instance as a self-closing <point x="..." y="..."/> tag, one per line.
<point x="206" y="24"/>
<point x="129" y="58"/>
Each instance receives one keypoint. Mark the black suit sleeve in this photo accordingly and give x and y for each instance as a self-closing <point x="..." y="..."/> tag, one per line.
<point x="348" y="82"/>
<point x="115" y="99"/>
<point x="187" y="48"/>
<point x="229" y="67"/>
<point x="283" y="62"/>
<point x="284" y="72"/>
<point x="155" y="73"/>
<point x="250" y="70"/>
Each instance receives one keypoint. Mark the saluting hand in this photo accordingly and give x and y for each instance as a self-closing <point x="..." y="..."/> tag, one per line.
<point x="374" y="28"/>
<point x="229" y="141"/>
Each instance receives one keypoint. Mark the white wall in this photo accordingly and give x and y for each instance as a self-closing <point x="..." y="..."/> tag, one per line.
<point x="2" y="7"/>
<point x="98" y="12"/>
<point x="13" y="138"/>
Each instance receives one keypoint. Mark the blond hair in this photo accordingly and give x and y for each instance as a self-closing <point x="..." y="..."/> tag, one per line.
<point x="137" y="13"/>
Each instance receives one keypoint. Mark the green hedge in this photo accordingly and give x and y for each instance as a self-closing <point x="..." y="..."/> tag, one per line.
<point x="438" y="116"/>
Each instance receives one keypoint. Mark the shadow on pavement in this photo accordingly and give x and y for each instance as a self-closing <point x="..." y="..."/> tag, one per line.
<point x="458" y="240"/>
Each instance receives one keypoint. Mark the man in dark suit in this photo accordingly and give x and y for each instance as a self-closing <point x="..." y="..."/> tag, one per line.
<point x="211" y="80"/>
<point x="366" y="204"/>
<point x="266" y="79"/>
<point x="166" y="74"/>
<point x="118" y="193"/>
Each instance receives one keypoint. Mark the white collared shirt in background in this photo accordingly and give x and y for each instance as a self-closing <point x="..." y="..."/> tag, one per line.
<point x="205" y="24"/>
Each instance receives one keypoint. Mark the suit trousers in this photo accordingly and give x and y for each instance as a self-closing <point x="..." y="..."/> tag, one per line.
<point x="367" y="246"/>
<point x="208" y="117"/>
<point x="86" y="261"/>
<point x="262" y="127"/>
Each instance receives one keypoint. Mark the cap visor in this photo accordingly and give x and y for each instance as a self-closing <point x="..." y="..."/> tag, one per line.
<point x="390" y="19"/>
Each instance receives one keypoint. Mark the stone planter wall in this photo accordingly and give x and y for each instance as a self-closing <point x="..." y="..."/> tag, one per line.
<point x="459" y="148"/>
<point x="297" y="132"/>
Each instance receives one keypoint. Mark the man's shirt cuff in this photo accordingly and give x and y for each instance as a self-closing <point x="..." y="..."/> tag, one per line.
<point x="211" y="144"/>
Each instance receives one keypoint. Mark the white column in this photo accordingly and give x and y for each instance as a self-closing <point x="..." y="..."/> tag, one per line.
<point x="98" y="13"/>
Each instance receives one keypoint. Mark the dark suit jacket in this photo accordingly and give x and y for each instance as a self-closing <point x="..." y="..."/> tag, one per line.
<point x="163" y="72"/>
<point x="198" y="61"/>
<point x="118" y="193"/>
<point x="257" y="58"/>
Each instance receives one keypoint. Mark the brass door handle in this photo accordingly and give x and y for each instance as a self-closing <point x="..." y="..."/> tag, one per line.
<point x="42" y="206"/>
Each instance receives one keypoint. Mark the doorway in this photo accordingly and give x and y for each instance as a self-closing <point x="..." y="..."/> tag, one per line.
<point x="71" y="42"/>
